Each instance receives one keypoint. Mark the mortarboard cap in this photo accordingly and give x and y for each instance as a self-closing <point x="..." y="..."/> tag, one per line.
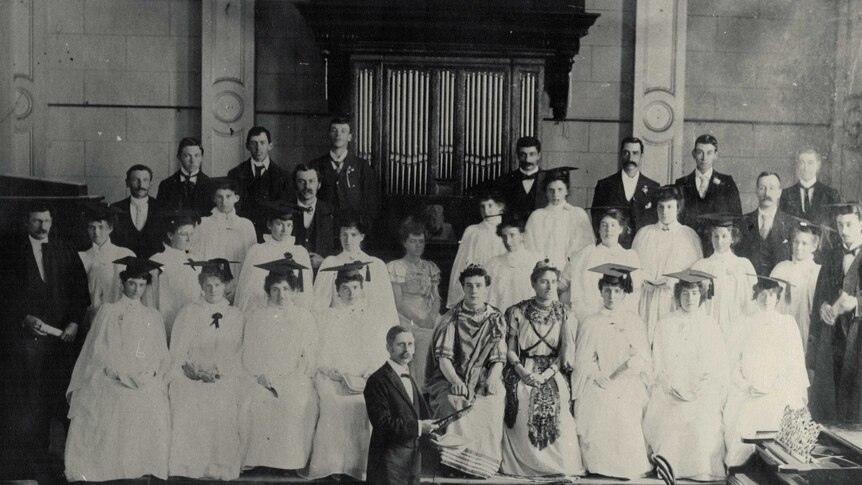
<point x="138" y="266"/>
<point x="219" y="264"/>
<point x="620" y="271"/>
<point x="605" y="208"/>
<point x="815" y="227"/>
<point x="173" y="216"/>
<point x="767" y="282"/>
<point x="97" y="211"/>
<point x="849" y="207"/>
<point x="286" y="265"/>
<point x="720" y="219"/>
<point x="352" y="267"/>
<point x="695" y="276"/>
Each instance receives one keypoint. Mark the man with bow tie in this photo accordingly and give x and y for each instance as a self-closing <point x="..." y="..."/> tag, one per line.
<point x="627" y="188"/>
<point x="522" y="187"/>
<point x="260" y="180"/>
<point x="834" y="352"/>
<point x="44" y="291"/>
<point x="314" y="226"/>
<point x="189" y="188"/>
<point x="706" y="191"/>
<point x="766" y="232"/>
<point x="808" y="198"/>
<point x="398" y="413"/>
<point x="347" y="182"/>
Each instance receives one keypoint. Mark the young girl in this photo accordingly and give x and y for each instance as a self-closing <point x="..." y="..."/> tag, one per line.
<point x="801" y="273"/>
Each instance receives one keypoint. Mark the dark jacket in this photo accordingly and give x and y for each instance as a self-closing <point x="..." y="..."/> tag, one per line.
<point x="610" y="192"/>
<point x="764" y="254"/>
<point x="271" y="186"/>
<point x="172" y="195"/>
<point x="321" y="237"/>
<point x="511" y="187"/>
<point x="722" y="195"/>
<point x="143" y="243"/>
<point x="791" y="202"/>
<point x="393" y="453"/>
<point x="355" y="189"/>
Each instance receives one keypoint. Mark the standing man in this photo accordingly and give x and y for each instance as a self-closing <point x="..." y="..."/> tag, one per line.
<point x="398" y="413"/>
<point x="627" y="188"/>
<point x="522" y="188"/>
<point x="314" y="226"/>
<point x="347" y="182"/>
<point x="766" y="231"/>
<point x="705" y="191"/>
<point x="834" y="355"/>
<point x="809" y="197"/>
<point x="260" y="179"/>
<point x="189" y="188"/>
<point x="43" y="300"/>
<point x="136" y="226"/>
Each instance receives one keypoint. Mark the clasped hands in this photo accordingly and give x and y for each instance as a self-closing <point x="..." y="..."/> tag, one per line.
<point x="132" y="381"/>
<point x="36" y="326"/>
<point x="490" y="387"/>
<point x="534" y="379"/>
<point x="208" y="375"/>
<point x="845" y="303"/>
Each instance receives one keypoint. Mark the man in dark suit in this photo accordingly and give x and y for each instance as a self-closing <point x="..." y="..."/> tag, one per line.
<point x="347" y="182"/>
<point x="809" y="197"/>
<point x="628" y="188"/>
<point x="766" y="232"/>
<point x="189" y="188"/>
<point x="834" y="352"/>
<point x="522" y="188"/>
<point x="314" y="227"/>
<point x="260" y="179"/>
<point x="398" y="414"/>
<point x="136" y="226"/>
<point x="44" y="290"/>
<point x="705" y="191"/>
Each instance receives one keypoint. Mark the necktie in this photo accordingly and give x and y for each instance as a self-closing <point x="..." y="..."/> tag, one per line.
<point x="853" y="251"/>
<point x="665" y="228"/>
<point x="806" y="199"/>
<point x="702" y="184"/>
<point x="188" y="186"/>
<point x="765" y="225"/>
<point x="138" y="222"/>
<point x="216" y="318"/>
<point x="339" y="166"/>
<point x="41" y="261"/>
<point x="258" y="171"/>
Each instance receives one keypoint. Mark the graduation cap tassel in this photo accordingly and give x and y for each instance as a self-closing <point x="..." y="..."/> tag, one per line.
<point x="368" y="273"/>
<point x="299" y="279"/>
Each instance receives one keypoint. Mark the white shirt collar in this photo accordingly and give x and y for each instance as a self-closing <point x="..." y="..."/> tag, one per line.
<point x="398" y="368"/>
<point x="627" y="177"/>
<point x="222" y="216"/>
<point x="37" y="243"/>
<point x="139" y="202"/>
<point x="528" y="173"/>
<point x="309" y="204"/>
<point x="189" y="175"/>
<point x="707" y="175"/>
<point x="264" y="164"/>
<point x="104" y="247"/>
<point x="769" y="212"/>
<point x="807" y="184"/>
<point x="287" y="241"/>
<point x="336" y="158"/>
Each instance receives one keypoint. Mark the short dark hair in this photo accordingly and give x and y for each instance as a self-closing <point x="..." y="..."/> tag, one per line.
<point x="632" y="139"/>
<point x="620" y="216"/>
<point x="351" y="220"/>
<point x="129" y="273"/>
<point x="341" y="120"/>
<point x="411" y="227"/>
<point x="556" y="176"/>
<point x="670" y="192"/>
<point x="189" y="141"/>
<point x="848" y="208"/>
<point x="511" y="221"/>
<point x="735" y="233"/>
<point x="93" y="216"/>
<point x="274" y="277"/>
<point x="303" y="167"/>
<point x="491" y="195"/>
<point x="767" y="174"/>
<point x="343" y="277"/>
<point x="214" y="271"/>
<point x="255" y="131"/>
<point x="34" y="207"/>
<point x="528" y="141"/>
<point x="173" y="224"/>
<point x="624" y="283"/>
<point x="394" y="332"/>
<point x="766" y="284"/>
<point x="684" y="285"/>
<point x="225" y="183"/>
<point x="474" y="270"/>
<point x="706" y="140"/>
<point x="138" y="168"/>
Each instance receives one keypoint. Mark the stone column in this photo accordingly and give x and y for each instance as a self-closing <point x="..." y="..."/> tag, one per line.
<point x="846" y="161"/>
<point x="227" y="81"/>
<point x="659" y="88"/>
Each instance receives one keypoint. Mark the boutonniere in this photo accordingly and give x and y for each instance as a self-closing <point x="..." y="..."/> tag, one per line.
<point x="645" y="189"/>
<point x="716" y="181"/>
<point x="648" y="206"/>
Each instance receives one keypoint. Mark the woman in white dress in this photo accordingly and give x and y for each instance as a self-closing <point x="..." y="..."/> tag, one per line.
<point x="479" y="243"/>
<point x="103" y="276"/>
<point x="558" y="229"/>
<point x="350" y="351"/>
<point x="540" y="437"/>
<point x="206" y="381"/>
<point x="377" y="288"/>
<point x="683" y="420"/>
<point x="249" y="293"/>
<point x="801" y="272"/>
<point x="583" y="284"/>
<point x="176" y="285"/>
<point x="279" y="413"/>
<point x="768" y="374"/>
<point x="611" y="381"/>
<point x="664" y="247"/>
<point x="118" y="399"/>
<point x="734" y="278"/>
<point x="510" y="272"/>
<point x="415" y="284"/>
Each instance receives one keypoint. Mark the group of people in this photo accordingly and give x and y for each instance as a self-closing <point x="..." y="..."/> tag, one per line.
<point x="264" y="335"/>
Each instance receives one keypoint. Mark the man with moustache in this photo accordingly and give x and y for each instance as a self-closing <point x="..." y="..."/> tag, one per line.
<point x="313" y="226"/>
<point x="398" y="413"/>
<point x="189" y="188"/>
<point x="260" y="179"/>
<point x="522" y="188"/>
<point x="44" y="290"/>
<point x="834" y="352"/>
<point x="136" y="226"/>
<point x="766" y="231"/>
<point x="627" y="188"/>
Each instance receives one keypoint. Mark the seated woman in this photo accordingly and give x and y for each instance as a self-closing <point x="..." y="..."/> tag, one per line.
<point x="206" y="381"/>
<point x="768" y="374"/>
<point x="510" y="272"/>
<point x="613" y="373"/>
<point x="414" y="284"/>
<point x="349" y="352"/>
<point x="176" y="285"/>
<point x="465" y="366"/>
<point x="582" y="282"/>
<point x="558" y="229"/>
<point x="683" y="417"/>
<point x="734" y="278"/>
<point x="278" y="414"/>
<point x="801" y="272"/>
<point x="118" y="401"/>
<point x="664" y="247"/>
<point x="540" y="437"/>
<point x="377" y="287"/>
<point x="249" y="293"/>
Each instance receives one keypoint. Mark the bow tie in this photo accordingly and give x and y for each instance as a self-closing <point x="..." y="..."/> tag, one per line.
<point x="665" y="228"/>
<point x="188" y="178"/>
<point x="529" y="177"/>
<point x="853" y="251"/>
<point x="405" y="376"/>
<point x="216" y="318"/>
